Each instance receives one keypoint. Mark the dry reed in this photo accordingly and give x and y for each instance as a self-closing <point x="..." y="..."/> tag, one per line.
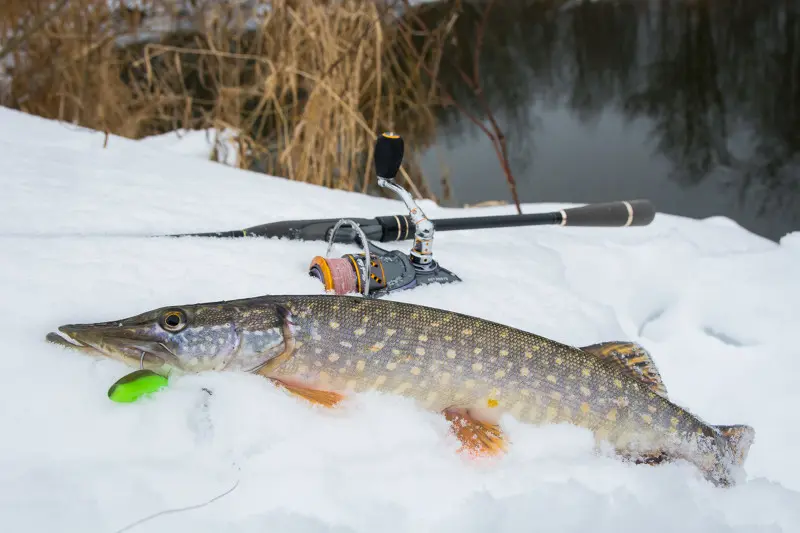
<point x="305" y="85"/>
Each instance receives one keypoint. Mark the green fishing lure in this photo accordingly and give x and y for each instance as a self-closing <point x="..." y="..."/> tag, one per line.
<point x="133" y="386"/>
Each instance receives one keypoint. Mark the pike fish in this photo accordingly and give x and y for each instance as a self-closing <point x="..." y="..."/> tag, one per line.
<point x="472" y="371"/>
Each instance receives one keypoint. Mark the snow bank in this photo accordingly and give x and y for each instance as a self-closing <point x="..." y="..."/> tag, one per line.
<point x="209" y="143"/>
<point x="716" y="305"/>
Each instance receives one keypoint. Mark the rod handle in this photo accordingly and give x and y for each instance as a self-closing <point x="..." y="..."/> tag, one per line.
<point x="621" y="214"/>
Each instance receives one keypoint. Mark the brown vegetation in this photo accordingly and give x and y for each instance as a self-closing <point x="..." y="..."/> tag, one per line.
<point x="305" y="85"/>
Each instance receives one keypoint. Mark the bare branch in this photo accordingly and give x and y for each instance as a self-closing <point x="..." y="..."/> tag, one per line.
<point x="495" y="134"/>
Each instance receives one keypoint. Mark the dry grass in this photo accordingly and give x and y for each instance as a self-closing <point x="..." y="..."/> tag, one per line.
<point x="306" y="88"/>
<point x="66" y="68"/>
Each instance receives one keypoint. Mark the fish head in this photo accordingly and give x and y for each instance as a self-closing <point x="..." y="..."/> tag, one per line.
<point x="190" y="338"/>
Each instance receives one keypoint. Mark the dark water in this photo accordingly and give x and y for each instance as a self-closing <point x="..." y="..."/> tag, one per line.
<point x="694" y="105"/>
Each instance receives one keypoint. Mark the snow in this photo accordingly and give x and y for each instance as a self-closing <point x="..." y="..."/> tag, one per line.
<point x="205" y="144"/>
<point x="715" y="305"/>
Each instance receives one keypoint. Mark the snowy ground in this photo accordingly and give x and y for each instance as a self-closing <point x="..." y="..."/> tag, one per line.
<point x="715" y="305"/>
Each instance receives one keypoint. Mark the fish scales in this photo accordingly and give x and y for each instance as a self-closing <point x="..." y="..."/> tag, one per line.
<point x="442" y="359"/>
<point x="464" y="362"/>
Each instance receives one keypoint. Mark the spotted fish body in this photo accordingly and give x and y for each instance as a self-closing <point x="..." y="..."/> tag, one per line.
<point x="448" y="362"/>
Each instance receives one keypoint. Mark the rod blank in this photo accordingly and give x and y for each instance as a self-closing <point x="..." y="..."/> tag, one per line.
<point x="400" y="227"/>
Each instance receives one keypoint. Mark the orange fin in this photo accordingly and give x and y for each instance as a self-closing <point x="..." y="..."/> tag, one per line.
<point x="477" y="437"/>
<point x="320" y="397"/>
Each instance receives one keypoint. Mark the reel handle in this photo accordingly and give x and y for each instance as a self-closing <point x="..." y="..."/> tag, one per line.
<point x="389" y="151"/>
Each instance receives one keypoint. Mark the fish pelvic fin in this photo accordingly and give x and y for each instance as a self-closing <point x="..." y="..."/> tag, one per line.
<point x="633" y="359"/>
<point x="478" y="438"/>
<point x="739" y="437"/>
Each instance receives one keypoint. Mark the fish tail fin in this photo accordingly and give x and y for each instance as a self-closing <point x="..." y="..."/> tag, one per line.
<point x="739" y="437"/>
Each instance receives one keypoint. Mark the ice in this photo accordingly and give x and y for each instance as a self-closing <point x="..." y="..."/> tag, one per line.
<point x="715" y="305"/>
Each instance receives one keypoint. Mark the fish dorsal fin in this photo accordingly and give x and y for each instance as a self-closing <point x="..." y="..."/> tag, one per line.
<point x="634" y="359"/>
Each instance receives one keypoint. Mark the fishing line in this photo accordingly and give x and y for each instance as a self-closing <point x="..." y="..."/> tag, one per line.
<point x="179" y="509"/>
<point x="343" y="275"/>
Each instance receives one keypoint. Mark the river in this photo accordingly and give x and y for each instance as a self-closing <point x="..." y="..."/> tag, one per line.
<point x="693" y="105"/>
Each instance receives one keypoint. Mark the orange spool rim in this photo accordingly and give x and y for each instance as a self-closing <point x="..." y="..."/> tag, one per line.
<point x="327" y="276"/>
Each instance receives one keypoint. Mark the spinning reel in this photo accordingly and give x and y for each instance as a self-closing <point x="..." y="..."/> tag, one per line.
<point x="377" y="271"/>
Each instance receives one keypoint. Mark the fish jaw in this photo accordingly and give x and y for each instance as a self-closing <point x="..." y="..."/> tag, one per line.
<point x="121" y="344"/>
<point x="145" y="341"/>
<point x="185" y="339"/>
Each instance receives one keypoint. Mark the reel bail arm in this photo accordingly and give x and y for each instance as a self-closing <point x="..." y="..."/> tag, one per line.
<point x="389" y="151"/>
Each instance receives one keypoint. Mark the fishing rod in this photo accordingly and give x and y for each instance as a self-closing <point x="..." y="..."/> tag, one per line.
<point x="392" y="228"/>
<point x="376" y="272"/>
<point x="388" y="157"/>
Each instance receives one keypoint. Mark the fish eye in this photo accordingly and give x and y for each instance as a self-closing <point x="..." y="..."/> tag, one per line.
<point x="173" y="321"/>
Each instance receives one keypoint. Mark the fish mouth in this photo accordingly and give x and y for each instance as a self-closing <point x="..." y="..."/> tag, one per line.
<point x="140" y="352"/>
<point x="62" y="338"/>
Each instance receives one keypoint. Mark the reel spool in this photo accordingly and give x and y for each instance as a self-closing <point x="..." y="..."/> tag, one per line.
<point x="344" y="275"/>
<point x="386" y="270"/>
<point x="347" y="274"/>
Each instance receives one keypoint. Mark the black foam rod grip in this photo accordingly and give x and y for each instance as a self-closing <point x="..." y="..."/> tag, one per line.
<point x="626" y="213"/>
<point x="388" y="155"/>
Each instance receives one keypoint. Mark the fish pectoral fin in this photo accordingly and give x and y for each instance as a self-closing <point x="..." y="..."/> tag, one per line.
<point x="319" y="397"/>
<point x="739" y="437"/>
<point x="633" y="359"/>
<point x="289" y="344"/>
<point x="477" y="437"/>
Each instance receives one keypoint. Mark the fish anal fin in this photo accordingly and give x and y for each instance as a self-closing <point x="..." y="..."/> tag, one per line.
<point x="652" y="458"/>
<point x="478" y="438"/>
<point x="633" y="359"/>
<point x="649" y="457"/>
<point x="739" y="437"/>
<point x="316" y="396"/>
